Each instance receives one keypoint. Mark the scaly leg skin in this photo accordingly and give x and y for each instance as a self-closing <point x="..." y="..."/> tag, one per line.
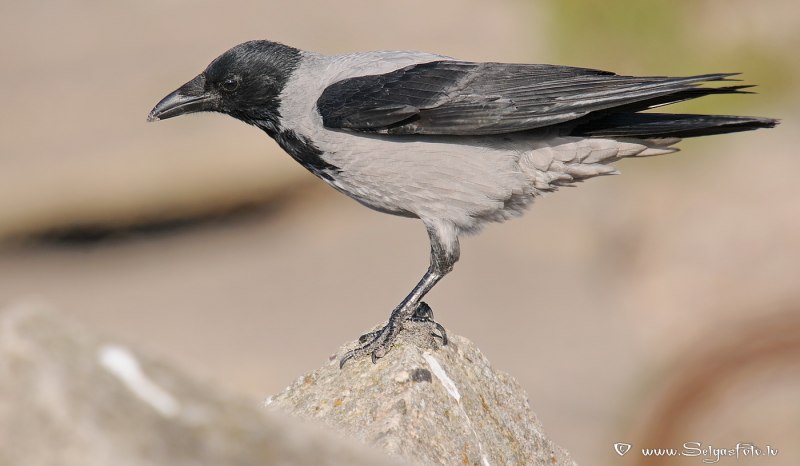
<point x="444" y="254"/>
<point x="381" y="340"/>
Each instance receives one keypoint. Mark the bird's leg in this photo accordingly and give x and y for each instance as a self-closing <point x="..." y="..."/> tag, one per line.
<point x="444" y="254"/>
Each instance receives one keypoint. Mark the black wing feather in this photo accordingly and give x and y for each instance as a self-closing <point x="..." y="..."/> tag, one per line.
<point x="463" y="98"/>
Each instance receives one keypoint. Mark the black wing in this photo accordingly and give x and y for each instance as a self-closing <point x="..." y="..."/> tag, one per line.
<point x="463" y="98"/>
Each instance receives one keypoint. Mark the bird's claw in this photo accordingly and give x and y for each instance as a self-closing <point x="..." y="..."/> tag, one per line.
<point x="424" y="314"/>
<point x="378" y="342"/>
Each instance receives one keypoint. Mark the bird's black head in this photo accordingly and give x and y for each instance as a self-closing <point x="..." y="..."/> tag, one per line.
<point x="244" y="82"/>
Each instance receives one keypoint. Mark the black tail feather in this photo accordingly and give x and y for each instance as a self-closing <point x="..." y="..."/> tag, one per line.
<point x="657" y="125"/>
<point x="685" y="95"/>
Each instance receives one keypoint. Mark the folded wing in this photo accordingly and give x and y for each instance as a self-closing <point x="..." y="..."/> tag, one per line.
<point x="463" y="98"/>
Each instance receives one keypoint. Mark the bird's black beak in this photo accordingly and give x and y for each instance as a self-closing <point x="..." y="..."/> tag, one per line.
<point x="189" y="98"/>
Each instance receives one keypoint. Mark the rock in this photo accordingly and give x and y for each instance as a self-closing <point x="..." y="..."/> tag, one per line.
<point x="427" y="403"/>
<point x="68" y="398"/>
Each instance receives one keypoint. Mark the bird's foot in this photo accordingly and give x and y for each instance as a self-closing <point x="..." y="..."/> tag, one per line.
<point x="378" y="343"/>
<point x="424" y="314"/>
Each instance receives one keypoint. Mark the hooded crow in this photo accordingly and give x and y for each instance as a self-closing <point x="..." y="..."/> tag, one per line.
<point x="453" y="143"/>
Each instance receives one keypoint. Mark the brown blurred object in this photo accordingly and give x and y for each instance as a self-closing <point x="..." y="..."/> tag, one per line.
<point x="71" y="398"/>
<point x="736" y="384"/>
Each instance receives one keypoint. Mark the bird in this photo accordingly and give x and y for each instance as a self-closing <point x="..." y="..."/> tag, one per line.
<point x="456" y="144"/>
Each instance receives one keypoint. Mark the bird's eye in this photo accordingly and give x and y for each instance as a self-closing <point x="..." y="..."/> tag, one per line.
<point x="229" y="84"/>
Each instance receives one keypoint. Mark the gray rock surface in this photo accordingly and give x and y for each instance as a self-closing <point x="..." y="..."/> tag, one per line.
<point x="427" y="403"/>
<point x="68" y="398"/>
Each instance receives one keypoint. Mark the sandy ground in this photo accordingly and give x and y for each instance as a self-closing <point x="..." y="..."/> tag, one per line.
<point x="596" y="300"/>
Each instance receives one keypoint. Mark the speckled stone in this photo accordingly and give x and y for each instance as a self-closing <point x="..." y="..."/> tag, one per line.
<point x="427" y="403"/>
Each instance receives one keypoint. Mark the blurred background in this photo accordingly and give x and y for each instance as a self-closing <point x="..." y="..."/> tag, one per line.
<point x="664" y="309"/>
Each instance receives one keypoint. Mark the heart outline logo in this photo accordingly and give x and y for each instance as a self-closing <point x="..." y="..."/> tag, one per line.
<point x="622" y="448"/>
